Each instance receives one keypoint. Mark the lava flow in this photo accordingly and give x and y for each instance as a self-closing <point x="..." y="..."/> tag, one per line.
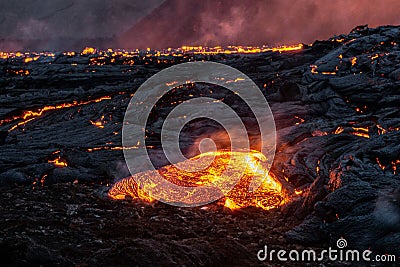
<point x="269" y="195"/>
<point x="30" y="115"/>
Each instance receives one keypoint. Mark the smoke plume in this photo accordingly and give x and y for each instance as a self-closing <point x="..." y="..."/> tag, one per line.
<point x="129" y="24"/>
<point x="254" y="22"/>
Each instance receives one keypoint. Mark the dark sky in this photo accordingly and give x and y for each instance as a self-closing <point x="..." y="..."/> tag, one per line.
<point x="73" y="24"/>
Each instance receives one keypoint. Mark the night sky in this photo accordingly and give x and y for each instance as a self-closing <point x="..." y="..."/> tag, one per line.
<point x="72" y="24"/>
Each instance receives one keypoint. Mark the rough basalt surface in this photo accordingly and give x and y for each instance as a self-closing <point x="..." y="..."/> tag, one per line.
<point x="337" y="113"/>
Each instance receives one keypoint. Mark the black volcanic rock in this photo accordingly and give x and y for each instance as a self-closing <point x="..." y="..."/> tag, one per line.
<point x="336" y="108"/>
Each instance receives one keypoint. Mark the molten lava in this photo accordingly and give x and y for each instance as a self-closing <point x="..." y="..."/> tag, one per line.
<point x="233" y="49"/>
<point x="30" y="115"/>
<point x="59" y="162"/>
<point x="88" y="51"/>
<point x="268" y="195"/>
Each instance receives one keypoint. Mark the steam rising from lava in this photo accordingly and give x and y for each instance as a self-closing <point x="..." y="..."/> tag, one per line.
<point x="255" y="22"/>
<point x="41" y="25"/>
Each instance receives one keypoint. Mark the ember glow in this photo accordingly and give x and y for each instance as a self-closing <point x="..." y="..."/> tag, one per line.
<point x="392" y="166"/>
<point x="360" y="131"/>
<point x="300" y="120"/>
<point x="239" y="49"/>
<point x="98" y="124"/>
<point x="353" y="61"/>
<point x="59" y="162"/>
<point x="19" y="72"/>
<point x="339" y="130"/>
<point x="314" y="70"/>
<point x="268" y="195"/>
<point x="56" y="159"/>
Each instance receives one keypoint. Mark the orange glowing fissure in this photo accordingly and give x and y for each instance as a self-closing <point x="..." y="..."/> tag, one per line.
<point x="87" y="51"/>
<point x="357" y="131"/>
<point x="59" y="162"/>
<point x="392" y="164"/>
<point x="269" y="195"/>
<point x="98" y="124"/>
<point x="30" y="115"/>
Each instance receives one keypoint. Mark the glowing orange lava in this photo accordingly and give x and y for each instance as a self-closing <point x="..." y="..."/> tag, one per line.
<point x="315" y="67"/>
<point x="361" y="131"/>
<point x="59" y="162"/>
<point x="353" y="61"/>
<point x="30" y="115"/>
<point x="269" y="195"/>
<point x="98" y="124"/>
<point x="88" y="51"/>
<point x="232" y="49"/>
